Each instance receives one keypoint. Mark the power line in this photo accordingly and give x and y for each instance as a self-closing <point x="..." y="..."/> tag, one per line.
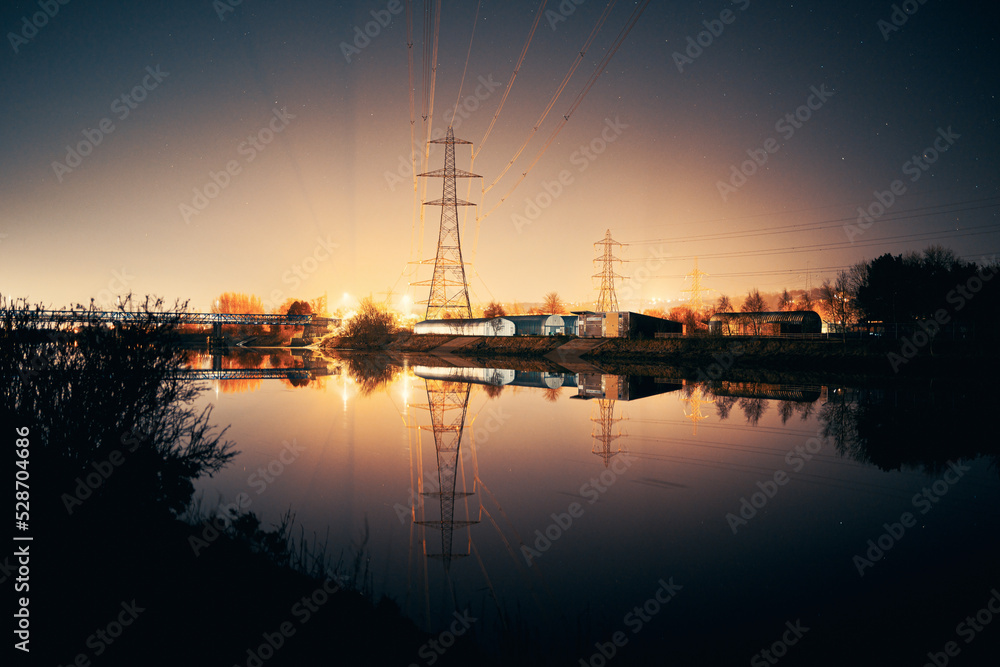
<point x="930" y="236"/>
<point x="824" y="224"/>
<point x="559" y="90"/>
<point x="517" y="68"/>
<point x="601" y="66"/>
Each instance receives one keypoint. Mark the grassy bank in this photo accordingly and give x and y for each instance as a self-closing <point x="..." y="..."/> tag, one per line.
<point x="877" y="357"/>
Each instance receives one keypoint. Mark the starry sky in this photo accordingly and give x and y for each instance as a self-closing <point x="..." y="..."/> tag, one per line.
<point x="187" y="149"/>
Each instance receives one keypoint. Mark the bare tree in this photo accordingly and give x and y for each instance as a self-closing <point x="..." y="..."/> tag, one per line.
<point x="838" y="300"/>
<point x="754" y="303"/>
<point x="553" y="304"/>
<point x="494" y="309"/>
<point x="723" y="305"/>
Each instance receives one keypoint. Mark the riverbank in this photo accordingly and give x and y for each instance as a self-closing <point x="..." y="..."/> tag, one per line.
<point x="713" y="355"/>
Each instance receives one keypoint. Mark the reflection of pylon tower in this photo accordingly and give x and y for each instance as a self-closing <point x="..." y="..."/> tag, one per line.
<point x="604" y="431"/>
<point x="449" y="294"/>
<point x="694" y="402"/>
<point x="448" y="403"/>
<point x="607" y="301"/>
<point x="695" y="301"/>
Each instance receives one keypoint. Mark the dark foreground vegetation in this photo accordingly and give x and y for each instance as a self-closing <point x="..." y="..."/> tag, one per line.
<point x="126" y="567"/>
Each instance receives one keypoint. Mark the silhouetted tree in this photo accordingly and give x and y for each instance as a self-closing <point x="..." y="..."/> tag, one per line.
<point x="786" y="302"/>
<point x="754" y="303"/>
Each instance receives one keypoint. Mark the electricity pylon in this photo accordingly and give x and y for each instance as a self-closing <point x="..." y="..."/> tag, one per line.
<point x="607" y="300"/>
<point x="695" y="301"/>
<point x="449" y="292"/>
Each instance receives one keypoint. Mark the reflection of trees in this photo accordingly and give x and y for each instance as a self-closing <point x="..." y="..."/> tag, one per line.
<point x="493" y="390"/>
<point x="724" y="405"/>
<point x="753" y="409"/>
<point x="787" y="409"/>
<point x="912" y="426"/>
<point x="371" y="372"/>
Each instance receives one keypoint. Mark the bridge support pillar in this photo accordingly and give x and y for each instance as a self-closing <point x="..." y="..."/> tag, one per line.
<point x="216" y="338"/>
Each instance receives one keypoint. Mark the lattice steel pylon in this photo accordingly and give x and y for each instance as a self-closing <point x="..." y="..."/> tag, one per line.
<point x="695" y="301"/>
<point x="449" y="294"/>
<point x="607" y="300"/>
<point x="448" y="403"/>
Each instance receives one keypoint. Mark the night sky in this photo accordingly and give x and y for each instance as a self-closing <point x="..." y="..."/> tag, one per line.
<point x="162" y="95"/>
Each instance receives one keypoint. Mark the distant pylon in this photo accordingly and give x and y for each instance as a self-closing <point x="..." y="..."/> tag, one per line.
<point x="695" y="301"/>
<point x="607" y="300"/>
<point x="449" y="294"/>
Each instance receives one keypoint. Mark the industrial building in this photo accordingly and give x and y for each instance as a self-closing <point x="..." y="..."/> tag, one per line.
<point x="624" y="324"/>
<point x="585" y="324"/>
<point x="766" y="324"/>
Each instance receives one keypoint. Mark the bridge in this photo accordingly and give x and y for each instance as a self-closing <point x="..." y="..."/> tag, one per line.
<point x="255" y="373"/>
<point x="216" y="320"/>
<point x="116" y="316"/>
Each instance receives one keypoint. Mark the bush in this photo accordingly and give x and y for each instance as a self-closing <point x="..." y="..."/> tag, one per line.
<point x="372" y="327"/>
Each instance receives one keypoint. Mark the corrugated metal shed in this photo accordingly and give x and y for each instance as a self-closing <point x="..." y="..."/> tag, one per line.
<point x="766" y="323"/>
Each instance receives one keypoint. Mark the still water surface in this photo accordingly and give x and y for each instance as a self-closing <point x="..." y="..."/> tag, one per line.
<point x="658" y="519"/>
